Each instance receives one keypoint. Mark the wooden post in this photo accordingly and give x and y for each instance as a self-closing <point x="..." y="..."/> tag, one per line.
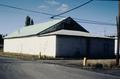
<point x="85" y="61"/>
<point x="39" y="56"/>
<point x="118" y="34"/>
<point x="87" y="52"/>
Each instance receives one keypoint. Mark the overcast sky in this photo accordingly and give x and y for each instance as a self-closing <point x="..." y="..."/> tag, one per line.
<point x="105" y="11"/>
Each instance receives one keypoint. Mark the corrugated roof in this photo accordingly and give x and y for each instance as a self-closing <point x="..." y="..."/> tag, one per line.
<point x="33" y="29"/>
<point x="37" y="28"/>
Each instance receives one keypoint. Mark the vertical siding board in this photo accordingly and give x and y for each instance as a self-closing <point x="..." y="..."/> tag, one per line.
<point x="68" y="46"/>
<point x="72" y="46"/>
<point x="31" y="45"/>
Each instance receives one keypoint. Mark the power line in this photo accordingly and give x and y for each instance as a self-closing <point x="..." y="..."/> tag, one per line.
<point x="79" y="20"/>
<point x="79" y="7"/>
<point x="94" y="22"/>
<point x="97" y="23"/>
<point x="27" y="10"/>
<point x="87" y="21"/>
<point x="72" y="9"/>
<point x="106" y="0"/>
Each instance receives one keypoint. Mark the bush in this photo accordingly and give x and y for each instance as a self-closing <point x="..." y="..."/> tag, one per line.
<point x="98" y="66"/>
<point x="44" y="57"/>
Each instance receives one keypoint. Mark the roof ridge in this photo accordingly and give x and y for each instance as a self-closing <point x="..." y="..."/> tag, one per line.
<point x="48" y="21"/>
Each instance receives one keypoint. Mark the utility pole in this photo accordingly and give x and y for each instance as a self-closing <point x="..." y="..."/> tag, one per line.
<point x="118" y="33"/>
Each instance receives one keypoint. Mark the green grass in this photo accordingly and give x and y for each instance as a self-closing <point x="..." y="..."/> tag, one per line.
<point x="25" y="56"/>
<point x="19" y="56"/>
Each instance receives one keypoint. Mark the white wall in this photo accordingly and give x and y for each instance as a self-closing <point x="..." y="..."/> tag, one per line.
<point x="101" y="48"/>
<point x="116" y="46"/>
<point x="32" y="45"/>
<point x="71" y="46"/>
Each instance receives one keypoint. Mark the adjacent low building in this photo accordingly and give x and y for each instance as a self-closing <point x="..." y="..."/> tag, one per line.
<point x="59" y="38"/>
<point x="1" y="41"/>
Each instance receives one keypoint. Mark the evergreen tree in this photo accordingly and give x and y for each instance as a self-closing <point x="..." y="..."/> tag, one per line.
<point x="28" y="21"/>
<point x="32" y="22"/>
<point x="1" y="39"/>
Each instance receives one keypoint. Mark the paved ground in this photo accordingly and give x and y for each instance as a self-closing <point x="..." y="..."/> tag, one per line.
<point x="78" y="64"/>
<point x="16" y="69"/>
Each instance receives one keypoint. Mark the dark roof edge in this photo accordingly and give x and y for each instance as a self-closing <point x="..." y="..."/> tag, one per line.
<point x="21" y="36"/>
<point x="58" y="35"/>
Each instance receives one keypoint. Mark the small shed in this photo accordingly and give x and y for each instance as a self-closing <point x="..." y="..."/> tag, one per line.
<point x="59" y="38"/>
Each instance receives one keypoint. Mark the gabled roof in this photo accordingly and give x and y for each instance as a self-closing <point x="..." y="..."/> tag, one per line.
<point x="33" y="29"/>
<point x="47" y="27"/>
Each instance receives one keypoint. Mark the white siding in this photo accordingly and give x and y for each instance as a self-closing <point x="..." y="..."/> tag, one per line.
<point x="101" y="48"/>
<point x="116" y="46"/>
<point x="71" y="46"/>
<point x="32" y="45"/>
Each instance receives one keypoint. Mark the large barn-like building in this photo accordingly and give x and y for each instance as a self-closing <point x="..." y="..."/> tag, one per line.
<point x="59" y="38"/>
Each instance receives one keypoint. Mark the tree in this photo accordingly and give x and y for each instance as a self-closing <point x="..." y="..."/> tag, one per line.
<point x="29" y="21"/>
<point x="1" y="39"/>
<point x="32" y="22"/>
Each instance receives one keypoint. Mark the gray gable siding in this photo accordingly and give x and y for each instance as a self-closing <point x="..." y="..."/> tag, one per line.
<point x="67" y="24"/>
